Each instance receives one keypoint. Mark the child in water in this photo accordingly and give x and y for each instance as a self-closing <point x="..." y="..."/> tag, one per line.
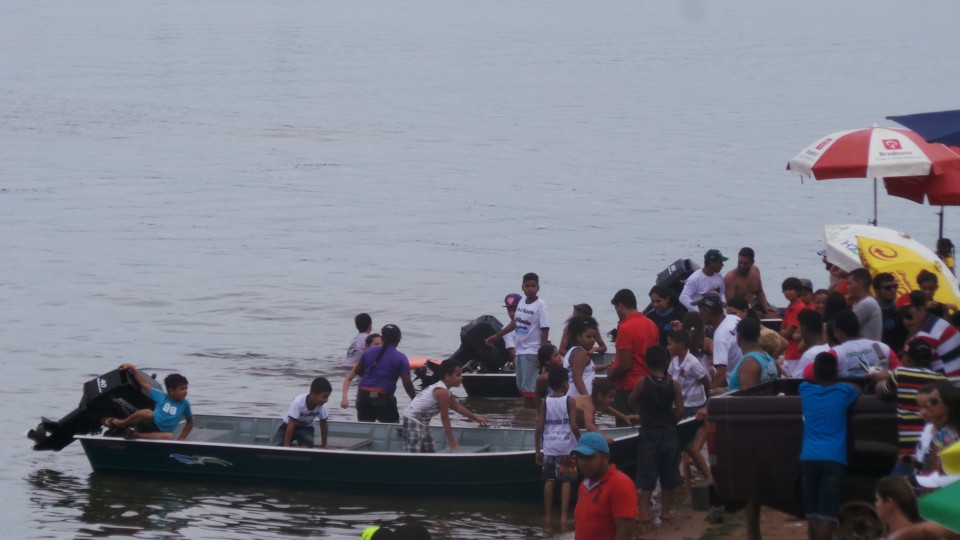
<point x="434" y="399"/>
<point x="557" y="435"/>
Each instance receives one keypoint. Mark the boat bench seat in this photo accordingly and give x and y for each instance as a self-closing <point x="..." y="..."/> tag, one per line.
<point x="346" y="443"/>
<point x="210" y="435"/>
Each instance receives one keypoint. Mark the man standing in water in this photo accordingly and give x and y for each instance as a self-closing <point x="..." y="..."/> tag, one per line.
<point x="634" y="335"/>
<point x="744" y="282"/>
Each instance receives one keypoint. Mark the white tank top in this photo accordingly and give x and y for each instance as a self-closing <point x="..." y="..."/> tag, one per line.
<point x="425" y="405"/>
<point x="558" y="439"/>
<point x="589" y="371"/>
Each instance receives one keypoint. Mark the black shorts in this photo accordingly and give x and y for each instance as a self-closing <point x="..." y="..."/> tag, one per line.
<point x="377" y="407"/>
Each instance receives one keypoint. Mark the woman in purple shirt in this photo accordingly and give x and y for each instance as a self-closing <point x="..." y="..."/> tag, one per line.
<point x="379" y="368"/>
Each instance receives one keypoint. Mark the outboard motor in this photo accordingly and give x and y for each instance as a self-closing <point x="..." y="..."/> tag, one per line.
<point x="115" y="394"/>
<point x="676" y="274"/>
<point x="473" y="355"/>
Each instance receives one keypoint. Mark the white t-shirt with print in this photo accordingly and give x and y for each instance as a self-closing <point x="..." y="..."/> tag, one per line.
<point x="530" y="319"/>
<point x="301" y="414"/>
<point x="726" y="352"/>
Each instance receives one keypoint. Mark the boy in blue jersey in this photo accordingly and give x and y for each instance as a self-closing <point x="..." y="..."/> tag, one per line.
<point x="823" y="458"/>
<point x="162" y="421"/>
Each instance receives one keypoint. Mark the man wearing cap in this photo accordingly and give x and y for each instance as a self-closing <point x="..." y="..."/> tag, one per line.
<point x="744" y="282"/>
<point x="634" y="335"/>
<point x="725" y="349"/>
<point x="510" y="339"/>
<point x="607" y="499"/>
<point x="704" y="280"/>
<point x="942" y="336"/>
<point x="864" y="305"/>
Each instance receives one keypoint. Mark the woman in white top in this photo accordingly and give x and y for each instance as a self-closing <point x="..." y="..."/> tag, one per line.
<point x="583" y="332"/>
<point x="432" y="400"/>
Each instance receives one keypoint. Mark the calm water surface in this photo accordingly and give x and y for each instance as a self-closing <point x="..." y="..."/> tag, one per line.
<point x="217" y="187"/>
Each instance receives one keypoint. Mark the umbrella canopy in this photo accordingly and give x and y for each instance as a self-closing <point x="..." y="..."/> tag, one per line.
<point x="942" y="127"/>
<point x="943" y="507"/>
<point x="873" y="153"/>
<point x="885" y="250"/>
<point x="897" y="155"/>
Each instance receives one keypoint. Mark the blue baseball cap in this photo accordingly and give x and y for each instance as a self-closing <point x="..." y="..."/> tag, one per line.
<point x="511" y="300"/>
<point x="591" y="443"/>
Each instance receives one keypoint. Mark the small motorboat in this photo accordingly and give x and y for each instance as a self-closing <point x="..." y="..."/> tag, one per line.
<point x="360" y="456"/>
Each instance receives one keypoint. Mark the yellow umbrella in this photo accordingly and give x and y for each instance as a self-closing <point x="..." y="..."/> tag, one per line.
<point x="904" y="257"/>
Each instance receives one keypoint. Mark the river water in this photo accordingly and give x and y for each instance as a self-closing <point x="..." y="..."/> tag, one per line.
<point x="217" y="187"/>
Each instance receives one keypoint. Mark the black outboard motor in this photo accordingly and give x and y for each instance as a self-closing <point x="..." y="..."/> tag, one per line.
<point x="676" y="274"/>
<point x="115" y="394"/>
<point x="473" y="355"/>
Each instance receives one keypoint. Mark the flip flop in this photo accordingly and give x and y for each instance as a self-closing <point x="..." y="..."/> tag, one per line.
<point x="129" y="433"/>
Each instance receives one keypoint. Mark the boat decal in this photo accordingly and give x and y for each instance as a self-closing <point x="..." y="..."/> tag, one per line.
<point x="200" y="460"/>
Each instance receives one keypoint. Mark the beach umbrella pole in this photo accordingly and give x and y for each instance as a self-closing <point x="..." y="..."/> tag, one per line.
<point x="874" y="222"/>
<point x="940" y="213"/>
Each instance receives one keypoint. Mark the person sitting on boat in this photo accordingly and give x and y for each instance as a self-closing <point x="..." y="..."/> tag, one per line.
<point x="379" y="369"/>
<point x="297" y="426"/>
<point x="704" y="280"/>
<point x="162" y="421"/>
<point x="359" y="345"/>
<point x="665" y="310"/>
<point x="744" y="282"/>
<point x="434" y="399"/>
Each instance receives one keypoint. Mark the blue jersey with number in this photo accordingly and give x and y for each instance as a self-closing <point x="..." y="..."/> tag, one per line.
<point x="168" y="413"/>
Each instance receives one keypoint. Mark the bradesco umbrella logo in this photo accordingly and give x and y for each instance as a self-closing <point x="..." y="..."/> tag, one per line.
<point x="825" y="142"/>
<point x="892" y="144"/>
<point x="883" y="252"/>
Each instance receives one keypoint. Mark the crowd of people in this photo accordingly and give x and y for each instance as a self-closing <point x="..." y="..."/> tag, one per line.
<point x="708" y="339"/>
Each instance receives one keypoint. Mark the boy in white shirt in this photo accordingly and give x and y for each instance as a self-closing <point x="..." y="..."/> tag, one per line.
<point x="532" y="326"/>
<point x="304" y="409"/>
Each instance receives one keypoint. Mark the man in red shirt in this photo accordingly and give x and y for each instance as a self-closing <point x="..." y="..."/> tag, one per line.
<point x="607" y="500"/>
<point x="634" y="335"/>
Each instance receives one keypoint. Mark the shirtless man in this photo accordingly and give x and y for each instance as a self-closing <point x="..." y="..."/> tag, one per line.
<point x="744" y="281"/>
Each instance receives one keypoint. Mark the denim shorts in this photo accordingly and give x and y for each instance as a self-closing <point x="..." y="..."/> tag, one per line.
<point x="658" y="458"/>
<point x="302" y="435"/>
<point x="822" y="488"/>
<point x="526" y="374"/>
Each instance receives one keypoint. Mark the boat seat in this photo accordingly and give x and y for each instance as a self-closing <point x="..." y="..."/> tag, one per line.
<point x="346" y="443"/>
<point x="210" y="435"/>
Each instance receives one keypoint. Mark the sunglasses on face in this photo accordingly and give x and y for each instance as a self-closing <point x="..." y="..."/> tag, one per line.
<point x="889" y="287"/>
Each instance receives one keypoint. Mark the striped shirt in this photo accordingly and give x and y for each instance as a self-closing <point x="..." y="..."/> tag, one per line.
<point x="904" y="383"/>
<point x="945" y="341"/>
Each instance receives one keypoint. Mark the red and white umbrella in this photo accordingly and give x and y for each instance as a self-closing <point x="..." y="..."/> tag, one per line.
<point x="876" y="152"/>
